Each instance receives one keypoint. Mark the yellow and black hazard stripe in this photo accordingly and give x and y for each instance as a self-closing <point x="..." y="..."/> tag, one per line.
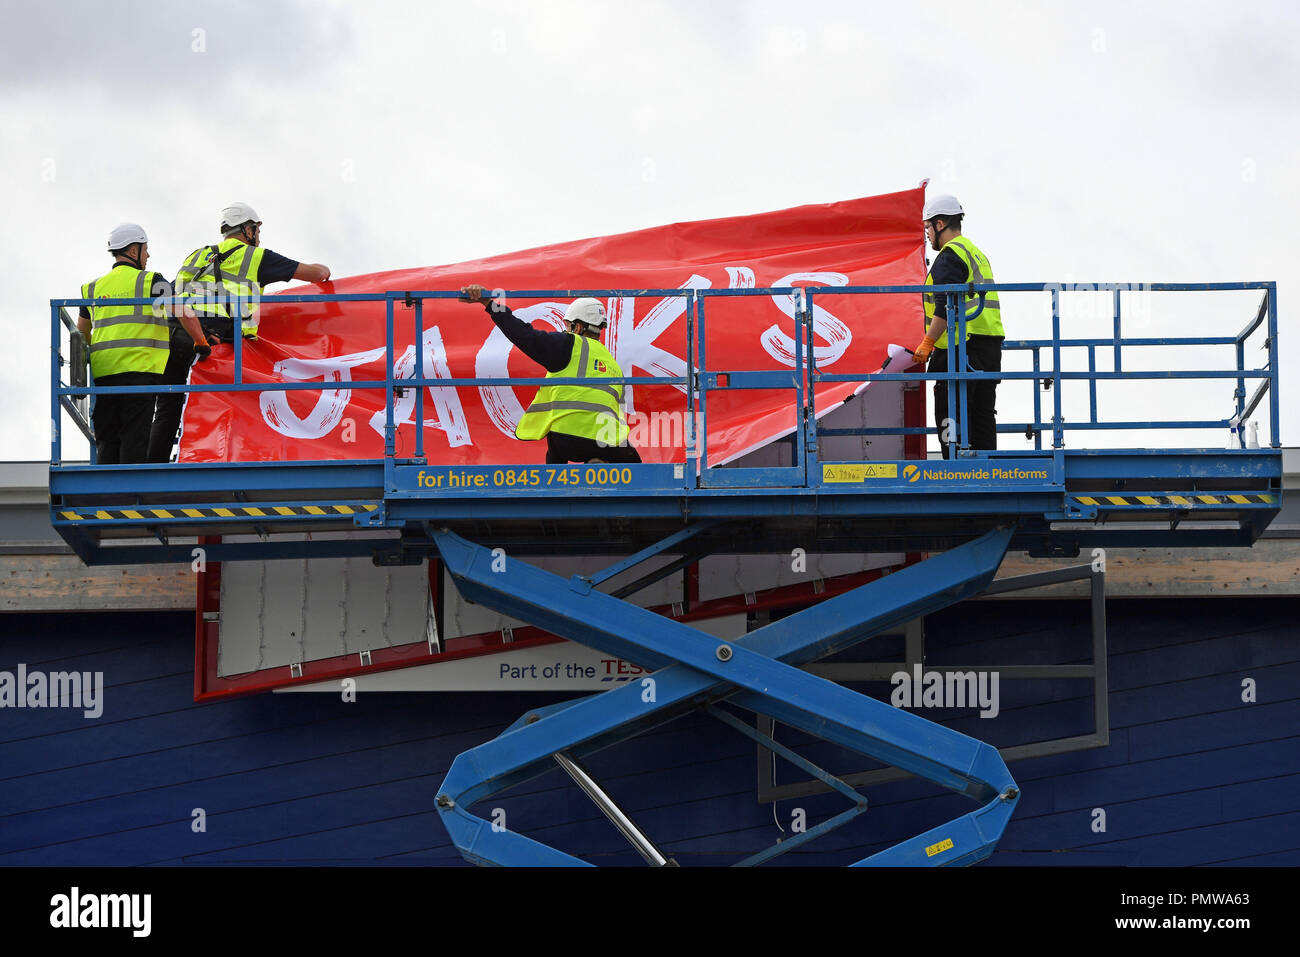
<point x="1190" y="500"/>
<point x="174" y="513"/>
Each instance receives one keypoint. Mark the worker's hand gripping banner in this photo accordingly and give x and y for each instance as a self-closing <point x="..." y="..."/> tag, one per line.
<point x="872" y="241"/>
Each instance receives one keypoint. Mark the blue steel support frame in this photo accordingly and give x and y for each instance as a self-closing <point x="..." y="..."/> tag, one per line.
<point x="699" y="375"/>
<point x="808" y="413"/>
<point x="1058" y="422"/>
<point x="806" y="375"/>
<point x="1038" y="402"/>
<point x="658" y="548"/>
<point x="800" y="401"/>
<point x="1092" y="384"/>
<point x="957" y="353"/>
<point x="759" y="672"/>
<point x="957" y="317"/>
<point x="954" y="392"/>
<point x="692" y="386"/>
<point x="390" y="445"/>
<point x="797" y="380"/>
<point x="1275" y="436"/>
<point x="419" y="375"/>
<point x="790" y="843"/>
<point x="56" y="417"/>
<point x="1119" y="359"/>
<point x="238" y="343"/>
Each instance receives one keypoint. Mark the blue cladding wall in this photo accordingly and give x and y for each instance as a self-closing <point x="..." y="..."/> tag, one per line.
<point x="1192" y="775"/>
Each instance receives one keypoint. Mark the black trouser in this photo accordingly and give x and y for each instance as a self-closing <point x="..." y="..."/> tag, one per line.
<point x="168" y="408"/>
<point x="985" y="355"/>
<point x="122" y="421"/>
<point x="562" y="448"/>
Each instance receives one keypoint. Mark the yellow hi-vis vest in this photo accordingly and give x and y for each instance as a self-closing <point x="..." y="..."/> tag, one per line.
<point x="125" y="338"/>
<point x="988" y="322"/>
<point x="590" y="411"/>
<point x="237" y="263"/>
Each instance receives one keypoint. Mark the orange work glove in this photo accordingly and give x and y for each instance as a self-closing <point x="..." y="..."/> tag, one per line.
<point x="922" y="352"/>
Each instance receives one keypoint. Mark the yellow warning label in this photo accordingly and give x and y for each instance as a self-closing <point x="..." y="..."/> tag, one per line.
<point x="859" y="472"/>
<point x="939" y="848"/>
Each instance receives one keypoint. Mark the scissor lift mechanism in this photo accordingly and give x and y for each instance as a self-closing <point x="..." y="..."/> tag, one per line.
<point x="759" y="672"/>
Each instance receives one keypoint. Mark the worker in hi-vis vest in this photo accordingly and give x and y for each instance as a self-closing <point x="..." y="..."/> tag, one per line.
<point x="581" y="423"/>
<point x="128" y="346"/>
<point x="221" y="282"/>
<point x="960" y="261"/>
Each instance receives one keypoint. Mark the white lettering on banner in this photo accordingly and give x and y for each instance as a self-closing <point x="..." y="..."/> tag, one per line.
<point x="632" y="345"/>
<point x="741" y="277"/>
<point x="449" y="414"/>
<point x="329" y="408"/>
<point x="492" y="362"/>
<point x="837" y="335"/>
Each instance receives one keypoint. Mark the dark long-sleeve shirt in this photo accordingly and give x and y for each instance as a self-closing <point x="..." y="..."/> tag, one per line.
<point x="550" y="350"/>
<point x="947" y="269"/>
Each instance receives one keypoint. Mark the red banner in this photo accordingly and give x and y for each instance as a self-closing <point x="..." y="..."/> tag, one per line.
<point x="871" y="241"/>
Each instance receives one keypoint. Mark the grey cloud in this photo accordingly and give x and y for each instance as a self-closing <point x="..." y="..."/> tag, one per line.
<point x="62" y="45"/>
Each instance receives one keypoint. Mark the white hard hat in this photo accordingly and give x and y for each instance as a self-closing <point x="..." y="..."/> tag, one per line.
<point x="124" y="234"/>
<point x="236" y="214"/>
<point x="942" y="205"/>
<point x="586" y="310"/>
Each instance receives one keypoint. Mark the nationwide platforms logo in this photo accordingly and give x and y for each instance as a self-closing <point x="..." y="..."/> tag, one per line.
<point x="947" y="473"/>
<point x="975" y="473"/>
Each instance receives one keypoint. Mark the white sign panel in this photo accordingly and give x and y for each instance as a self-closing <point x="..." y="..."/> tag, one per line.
<point x="560" y="666"/>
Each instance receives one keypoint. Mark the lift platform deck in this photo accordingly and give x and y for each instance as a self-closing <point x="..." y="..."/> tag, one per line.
<point x="1067" y="501"/>
<point x="1059" y="499"/>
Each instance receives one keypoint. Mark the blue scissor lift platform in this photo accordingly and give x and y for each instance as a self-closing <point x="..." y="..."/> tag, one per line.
<point x="484" y="522"/>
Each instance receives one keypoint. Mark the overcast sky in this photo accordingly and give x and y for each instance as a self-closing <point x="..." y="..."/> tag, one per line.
<point x="1107" y="142"/>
